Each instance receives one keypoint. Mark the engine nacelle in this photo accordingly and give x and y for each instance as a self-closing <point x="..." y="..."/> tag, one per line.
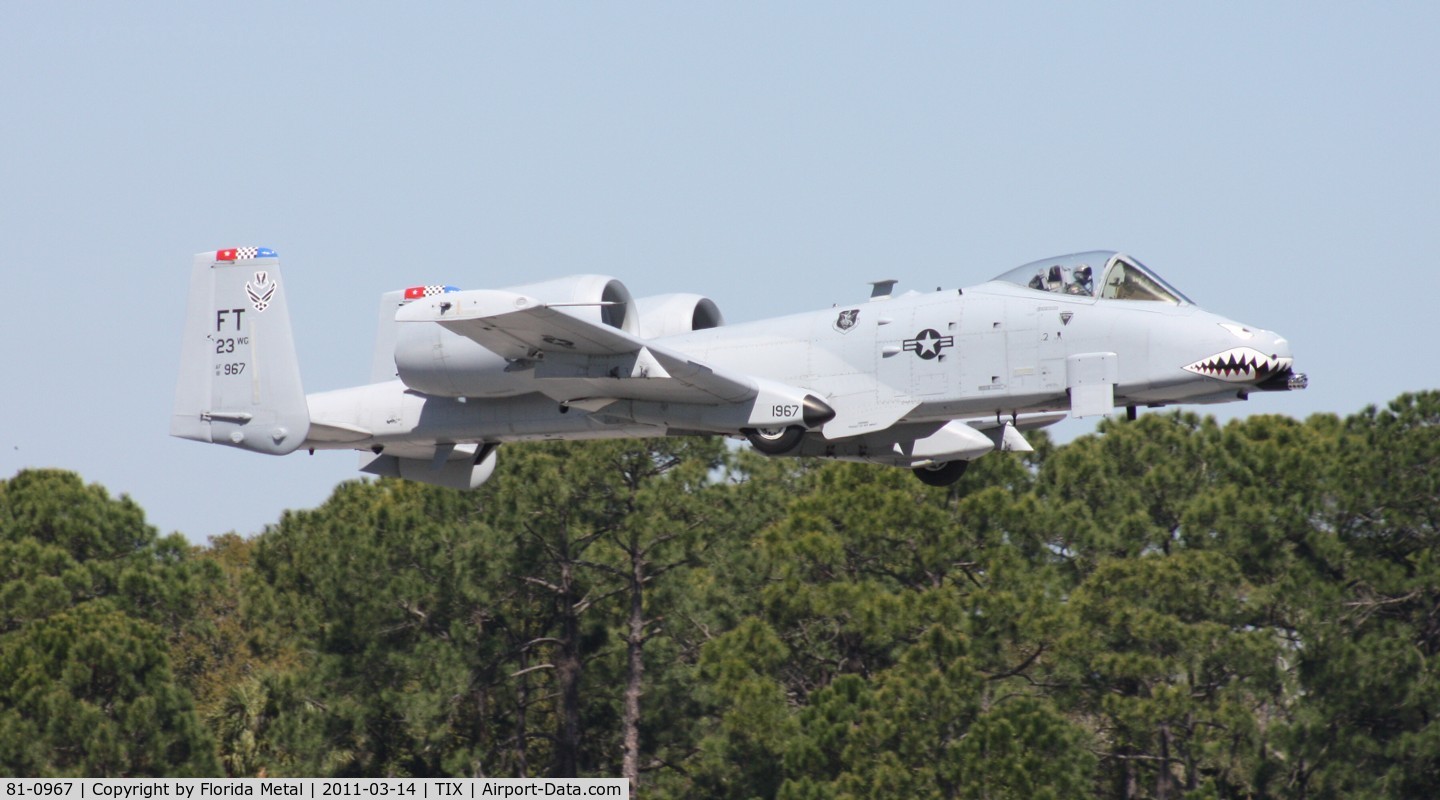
<point x="669" y="314"/>
<point x="460" y="473"/>
<point x="597" y="298"/>
<point x="433" y="360"/>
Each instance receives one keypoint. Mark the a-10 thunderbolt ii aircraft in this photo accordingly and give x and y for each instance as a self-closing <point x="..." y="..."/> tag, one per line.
<point x="926" y="381"/>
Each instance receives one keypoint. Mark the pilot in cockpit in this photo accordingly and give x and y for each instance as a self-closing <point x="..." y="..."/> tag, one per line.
<point x="1084" y="282"/>
<point x="1061" y="280"/>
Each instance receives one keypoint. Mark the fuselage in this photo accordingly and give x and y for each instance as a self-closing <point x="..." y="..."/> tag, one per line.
<point x="904" y="364"/>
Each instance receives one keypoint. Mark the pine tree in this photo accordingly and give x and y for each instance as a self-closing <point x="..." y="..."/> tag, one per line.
<point x="87" y="594"/>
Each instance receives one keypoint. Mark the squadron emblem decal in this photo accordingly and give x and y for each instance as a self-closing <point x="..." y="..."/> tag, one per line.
<point x="1065" y="317"/>
<point x="261" y="291"/>
<point x="928" y="343"/>
<point x="846" y="321"/>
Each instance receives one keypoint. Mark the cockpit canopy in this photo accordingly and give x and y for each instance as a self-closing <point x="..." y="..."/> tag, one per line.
<point x="1114" y="275"/>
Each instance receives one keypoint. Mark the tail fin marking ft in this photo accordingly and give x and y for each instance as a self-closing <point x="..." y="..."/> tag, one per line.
<point x="239" y="378"/>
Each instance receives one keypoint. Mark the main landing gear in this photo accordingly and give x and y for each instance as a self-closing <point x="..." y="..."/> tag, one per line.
<point x="774" y="441"/>
<point x="941" y="474"/>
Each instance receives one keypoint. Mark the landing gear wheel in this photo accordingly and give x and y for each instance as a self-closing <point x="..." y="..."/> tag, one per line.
<point x="774" y="441"/>
<point x="942" y="474"/>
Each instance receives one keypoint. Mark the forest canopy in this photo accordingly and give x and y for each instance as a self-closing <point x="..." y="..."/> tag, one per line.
<point x="1169" y="608"/>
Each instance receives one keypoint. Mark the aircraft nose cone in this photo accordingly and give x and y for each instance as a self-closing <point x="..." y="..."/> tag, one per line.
<point x="1279" y="346"/>
<point x="1285" y="378"/>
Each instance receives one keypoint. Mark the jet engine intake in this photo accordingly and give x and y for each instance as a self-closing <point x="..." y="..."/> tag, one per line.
<point x="669" y="314"/>
<point x="594" y="298"/>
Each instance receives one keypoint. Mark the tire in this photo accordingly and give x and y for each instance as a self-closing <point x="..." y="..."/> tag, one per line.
<point x="774" y="441"/>
<point x="942" y="474"/>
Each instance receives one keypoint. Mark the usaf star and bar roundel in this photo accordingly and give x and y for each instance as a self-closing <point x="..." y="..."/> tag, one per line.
<point x="928" y="343"/>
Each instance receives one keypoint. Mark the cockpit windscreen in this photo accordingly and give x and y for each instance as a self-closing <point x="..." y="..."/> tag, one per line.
<point x="1112" y="275"/>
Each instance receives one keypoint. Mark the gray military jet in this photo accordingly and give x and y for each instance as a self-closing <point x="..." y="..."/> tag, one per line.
<point x="927" y="381"/>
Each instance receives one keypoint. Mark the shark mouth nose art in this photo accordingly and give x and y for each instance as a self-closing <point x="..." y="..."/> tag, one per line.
<point x="1240" y="365"/>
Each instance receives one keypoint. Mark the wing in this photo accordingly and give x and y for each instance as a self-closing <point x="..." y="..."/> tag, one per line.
<point x="582" y="359"/>
<point x="861" y="414"/>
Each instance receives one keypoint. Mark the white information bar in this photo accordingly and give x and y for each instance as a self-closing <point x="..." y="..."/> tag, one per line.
<point x="309" y="788"/>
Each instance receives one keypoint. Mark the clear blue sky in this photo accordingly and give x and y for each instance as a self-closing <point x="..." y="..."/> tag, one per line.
<point x="1279" y="162"/>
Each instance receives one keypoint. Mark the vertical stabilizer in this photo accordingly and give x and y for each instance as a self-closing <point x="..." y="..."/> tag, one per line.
<point x="239" y="378"/>
<point x="382" y="363"/>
